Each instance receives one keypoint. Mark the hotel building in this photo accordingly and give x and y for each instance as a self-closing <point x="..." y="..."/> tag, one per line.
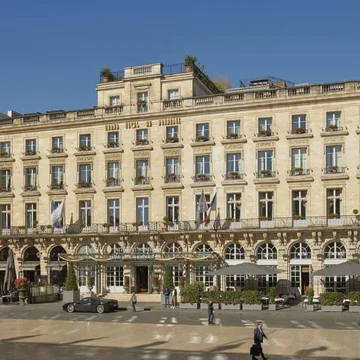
<point x="283" y="160"/>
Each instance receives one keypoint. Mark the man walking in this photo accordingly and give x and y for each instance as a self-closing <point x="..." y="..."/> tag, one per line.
<point x="174" y="299"/>
<point x="133" y="302"/>
<point x="258" y="339"/>
<point x="167" y="297"/>
<point x="211" y="313"/>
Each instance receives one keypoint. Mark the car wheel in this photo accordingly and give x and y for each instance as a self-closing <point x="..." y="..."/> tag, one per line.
<point x="70" y="308"/>
<point x="100" y="309"/>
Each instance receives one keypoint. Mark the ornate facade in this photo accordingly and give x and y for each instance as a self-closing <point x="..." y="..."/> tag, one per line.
<point x="283" y="161"/>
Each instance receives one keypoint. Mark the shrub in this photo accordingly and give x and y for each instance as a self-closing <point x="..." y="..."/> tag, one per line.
<point x="310" y="295"/>
<point x="214" y="296"/>
<point x="251" y="297"/>
<point x="168" y="278"/>
<point x="354" y="298"/>
<point x="231" y="297"/>
<point x="191" y="293"/>
<point x="71" y="284"/>
<point x="331" y="299"/>
<point x="272" y="295"/>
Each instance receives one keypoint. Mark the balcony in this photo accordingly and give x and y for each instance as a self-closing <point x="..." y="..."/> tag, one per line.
<point x="172" y="104"/>
<point x="85" y="150"/>
<point x="265" y="135"/>
<point x="202" y="177"/>
<point x="57" y="189"/>
<point x="202" y="141"/>
<point x="84" y="184"/>
<point x="299" y="172"/>
<point x="142" y="180"/>
<point x="6" y="192"/>
<point x="111" y="181"/>
<point x="334" y="130"/>
<point x="31" y="155"/>
<point x="172" y="140"/>
<point x="113" y="185"/>
<point x="29" y="187"/>
<point x="142" y="107"/>
<point x="142" y="142"/>
<point x="265" y="174"/>
<point x="233" y="175"/>
<point x="172" y="178"/>
<point x="299" y="133"/>
<point x="335" y="172"/>
<point x="114" y="110"/>
<point x="201" y="138"/>
<point x="30" y="190"/>
<point x="57" y="186"/>
<point x="4" y="155"/>
<point x="56" y="150"/>
<point x="85" y="113"/>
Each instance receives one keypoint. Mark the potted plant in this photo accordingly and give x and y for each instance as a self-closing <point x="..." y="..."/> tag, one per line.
<point x="272" y="297"/>
<point x="84" y="148"/>
<point x="333" y="169"/>
<point x="333" y="216"/>
<point x="354" y="298"/>
<point x="172" y="139"/>
<point x="191" y="295"/>
<point x="234" y="175"/>
<point x="331" y="301"/>
<point x="29" y="187"/>
<point x="296" y="217"/>
<point x="29" y="152"/>
<point x="265" y="132"/>
<point x="333" y="127"/>
<point x="21" y="285"/>
<point x="142" y="141"/>
<point x="310" y="298"/>
<point x="298" y="171"/>
<point x="201" y="138"/>
<point x="265" y="172"/>
<point x="166" y="220"/>
<point x="112" y="144"/>
<point x="263" y="218"/>
<point x="233" y="136"/>
<point x="71" y="292"/>
<point x="83" y="184"/>
<point x="299" y="130"/>
<point x="201" y="177"/>
<point x="55" y="150"/>
<point x="111" y="181"/>
<point x="107" y="75"/>
<point x="190" y="61"/>
<point x="4" y="154"/>
<point x="229" y="219"/>
<point x="252" y="300"/>
<point x="155" y="281"/>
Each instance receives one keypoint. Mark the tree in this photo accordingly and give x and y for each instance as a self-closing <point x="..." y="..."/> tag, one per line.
<point x="168" y="278"/>
<point x="221" y="82"/>
<point x="71" y="284"/>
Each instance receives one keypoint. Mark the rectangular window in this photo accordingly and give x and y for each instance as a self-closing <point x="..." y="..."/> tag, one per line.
<point x="200" y="275"/>
<point x="114" y="276"/>
<point x="299" y="159"/>
<point x="298" y="124"/>
<point x="177" y="273"/>
<point x="235" y="282"/>
<point x="142" y="99"/>
<point x="142" y="172"/>
<point x="172" y="134"/>
<point x="113" y="139"/>
<point x="334" y="158"/>
<point x="85" y="175"/>
<point x="85" y="142"/>
<point x="114" y="100"/>
<point x="173" y="94"/>
<point x="30" y="147"/>
<point x="233" y="129"/>
<point x="30" y="178"/>
<point x="266" y="282"/>
<point x="114" y="212"/>
<point x="5" y="180"/>
<point x="142" y="137"/>
<point x="172" y="169"/>
<point x="333" y="121"/>
<point x="299" y="204"/>
<point x="30" y="215"/>
<point x="334" y="203"/>
<point x="233" y="206"/>
<point x="5" y="149"/>
<point x="5" y="216"/>
<point x="57" y="176"/>
<point x="295" y="276"/>
<point x="202" y="132"/>
<point x="85" y="212"/>
<point x="142" y="211"/>
<point x="233" y="166"/>
<point x="265" y="127"/>
<point x="202" y="166"/>
<point x="335" y="283"/>
<point x="172" y="208"/>
<point x="113" y="173"/>
<point x="57" y="144"/>
<point x="266" y="205"/>
<point x="265" y="163"/>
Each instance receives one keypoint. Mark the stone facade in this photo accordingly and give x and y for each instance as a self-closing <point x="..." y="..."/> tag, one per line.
<point x="283" y="161"/>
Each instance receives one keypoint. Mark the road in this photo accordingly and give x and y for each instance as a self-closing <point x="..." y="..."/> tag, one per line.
<point x="294" y="317"/>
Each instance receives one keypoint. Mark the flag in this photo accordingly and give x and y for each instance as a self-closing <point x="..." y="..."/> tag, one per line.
<point x="217" y="223"/>
<point x="57" y="213"/>
<point x="201" y="208"/>
<point x="212" y="206"/>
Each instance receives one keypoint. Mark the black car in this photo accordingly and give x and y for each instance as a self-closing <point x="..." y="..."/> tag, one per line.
<point x="92" y="304"/>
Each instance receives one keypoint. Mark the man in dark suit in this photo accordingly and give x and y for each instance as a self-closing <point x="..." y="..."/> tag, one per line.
<point x="258" y="339"/>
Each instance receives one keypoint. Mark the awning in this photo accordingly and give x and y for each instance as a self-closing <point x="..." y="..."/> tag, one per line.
<point x="245" y="269"/>
<point x="347" y="268"/>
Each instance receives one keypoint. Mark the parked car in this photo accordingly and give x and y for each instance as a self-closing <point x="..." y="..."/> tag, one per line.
<point x="91" y="304"/>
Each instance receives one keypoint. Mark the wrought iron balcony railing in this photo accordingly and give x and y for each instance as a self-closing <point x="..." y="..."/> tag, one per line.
<point x="142" y="180"/>
<point x="112" y="182"/>
<point x="299" y="172"/>
<point x="330" y="128"/>
<point x="265" y="173"/>
<point x="172" y="178"/>
<point x="56" y="186"/>
<point x="299" y="130"/>
<point x="265" y="133"/>
<point x="334" y="170"/>
<point x="233" y="136"/>
<point x="313" y="222"/>
<point x="233" y="175"/>
<point x="84" y="184"/>
<point x="202" y="177"/>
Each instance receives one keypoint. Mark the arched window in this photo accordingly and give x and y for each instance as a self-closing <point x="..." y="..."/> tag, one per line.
<point x="300" y="250"/>
<point x="86" y="249"/>
<point x="31" y="254"/>
<point x="4" y="254"/>
<point x="203" y="248"/>
<point x="335" y="250"/>
<point x="55" y="252"/>
<point x="143" y="249"/>
<point x="234" y="252"/>
<point x="172" y="248"/>
<point x="114" y="249"/>
<point x="266" y="251"/>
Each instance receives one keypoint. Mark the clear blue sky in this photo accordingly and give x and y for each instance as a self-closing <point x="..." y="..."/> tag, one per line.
<point x="51" y="51"/>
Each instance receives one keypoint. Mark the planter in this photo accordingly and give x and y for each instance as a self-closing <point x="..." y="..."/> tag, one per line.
<point x="252" y="307"/>
<point x="333" y="308"/>
<point x="71" y="296"/>
<point x="230" y="307"/>
<point x="310" y="307"/>
<point x="354" y="309"/>
<point x="272" y="307"/>
<point x="204" y="306"/>
<point x="22" y="296"/>
<point x="188" y="306"/>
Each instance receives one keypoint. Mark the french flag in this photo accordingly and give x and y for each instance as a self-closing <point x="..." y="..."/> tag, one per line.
<point x="212" y="206"/>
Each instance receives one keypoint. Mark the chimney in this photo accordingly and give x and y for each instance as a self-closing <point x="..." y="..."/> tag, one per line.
<point x="13" y="113"/>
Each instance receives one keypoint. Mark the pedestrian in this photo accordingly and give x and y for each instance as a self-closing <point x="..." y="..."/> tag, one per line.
<point x="174" y="298"/>
<point x="259" y="336"/>
<point x="133" y="302"/>
<point x="211" y="313"/>
<point x="166" y="293"/>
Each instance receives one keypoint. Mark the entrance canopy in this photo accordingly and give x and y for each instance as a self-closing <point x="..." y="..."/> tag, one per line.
<point x="347" y="268"/>
<point x="246" y="269"/>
